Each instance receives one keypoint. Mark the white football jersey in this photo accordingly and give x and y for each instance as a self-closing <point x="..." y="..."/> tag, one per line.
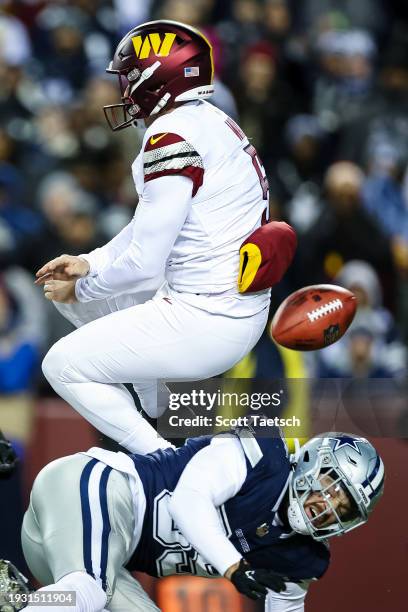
<point x="230" y="198"/>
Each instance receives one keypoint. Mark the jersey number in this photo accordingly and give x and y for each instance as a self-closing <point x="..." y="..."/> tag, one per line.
<point x="257" y="164"/>
<point x="178" y="556"/>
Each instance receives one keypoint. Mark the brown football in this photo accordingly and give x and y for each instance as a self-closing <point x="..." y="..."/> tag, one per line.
<point x="313" y="317"/>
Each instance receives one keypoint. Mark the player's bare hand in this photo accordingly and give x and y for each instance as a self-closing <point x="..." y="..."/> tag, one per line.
<point x="60" y="291"/>
<point x="63" y="268"/>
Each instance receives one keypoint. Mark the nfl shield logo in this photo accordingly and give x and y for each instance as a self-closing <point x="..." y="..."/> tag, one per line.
<point x="331" y="334"/>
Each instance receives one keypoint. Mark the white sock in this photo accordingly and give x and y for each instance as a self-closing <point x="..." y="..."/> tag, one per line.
<point x="90" y="597"/>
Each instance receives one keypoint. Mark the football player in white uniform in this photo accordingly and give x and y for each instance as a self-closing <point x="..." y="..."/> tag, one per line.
<point x="231" y="505"/>
<point x="202" y="192"/>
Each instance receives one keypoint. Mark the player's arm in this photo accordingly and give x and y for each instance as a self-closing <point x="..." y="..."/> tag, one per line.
<point x="70" y="267"/>
<point x="159" y="217"/>
<point x="103" y="256"/>
<point x="214" y="475"/>
<point x="8" y="457"/>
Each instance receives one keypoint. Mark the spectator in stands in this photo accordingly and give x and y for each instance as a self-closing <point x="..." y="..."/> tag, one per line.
<point x="343" y="231"/>
<point x="343" y="91"/>
<point x="244" y="23"/>
<point x="197" y="13"/>
<point x="22" y="332"/>
<point x="264" y="102"/>
<point x="73" y="40"/>
<point x="70" y="221"/>
<point x="314" y="15"/>
<point x="372" y="347"/>
<point x="297" y="178"/>
<point x="277" y="21"/>
<point x="383" y="195"/>
<point x="387" y="121"/>
<point x="384" y="198"/>
<point x="21" y="223"/>
<point x="129" y="13"/>
<point x="52" y="60"/>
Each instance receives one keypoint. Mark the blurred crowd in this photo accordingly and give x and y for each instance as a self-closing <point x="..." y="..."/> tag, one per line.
<point x="319" y="86"/>
<point x="321" y="89"/>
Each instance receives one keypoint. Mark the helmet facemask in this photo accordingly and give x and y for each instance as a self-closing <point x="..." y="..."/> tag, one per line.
<point x="129" y="112"/>
<point x="325" y="478"/>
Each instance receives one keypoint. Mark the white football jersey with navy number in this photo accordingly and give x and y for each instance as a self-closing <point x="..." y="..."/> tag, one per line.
<point x="229" y="198"/>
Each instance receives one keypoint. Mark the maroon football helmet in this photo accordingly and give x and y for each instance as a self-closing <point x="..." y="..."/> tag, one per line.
<point x="159" y="63"/>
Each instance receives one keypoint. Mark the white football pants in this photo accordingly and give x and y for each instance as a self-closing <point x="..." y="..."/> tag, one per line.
<point x="167" y="338"/>
<point x="80" y="523"/>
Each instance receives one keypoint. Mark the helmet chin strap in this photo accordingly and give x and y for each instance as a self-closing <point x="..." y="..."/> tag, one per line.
<point x="146" y="74"/>
<point x="161" y="104"/>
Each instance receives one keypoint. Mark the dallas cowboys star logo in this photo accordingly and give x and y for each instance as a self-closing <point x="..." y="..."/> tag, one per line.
<point x="347" y="441"/>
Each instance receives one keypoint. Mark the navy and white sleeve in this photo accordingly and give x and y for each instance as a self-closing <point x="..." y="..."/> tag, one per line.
<point x="214" y="475"/>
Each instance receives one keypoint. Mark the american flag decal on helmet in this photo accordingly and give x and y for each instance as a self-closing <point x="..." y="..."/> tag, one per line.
<point x="169" y="154"/>
<point x="194" y="71"/>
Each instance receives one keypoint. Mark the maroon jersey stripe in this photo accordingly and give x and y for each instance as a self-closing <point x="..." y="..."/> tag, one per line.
<point x="162" y="140"/>
<point x="192" y="172"/>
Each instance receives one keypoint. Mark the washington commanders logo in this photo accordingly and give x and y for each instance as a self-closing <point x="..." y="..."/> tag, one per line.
<point x="153" y="43"/>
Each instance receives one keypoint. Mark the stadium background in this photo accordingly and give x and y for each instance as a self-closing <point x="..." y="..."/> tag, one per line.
<point x="321" y="88"/>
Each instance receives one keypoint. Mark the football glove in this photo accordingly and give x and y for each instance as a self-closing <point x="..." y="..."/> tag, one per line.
<point x="8" y="458"/>
<point x="254" y="582"/>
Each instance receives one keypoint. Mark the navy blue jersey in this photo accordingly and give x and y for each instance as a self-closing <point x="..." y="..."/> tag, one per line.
<point x="249" y="519"/>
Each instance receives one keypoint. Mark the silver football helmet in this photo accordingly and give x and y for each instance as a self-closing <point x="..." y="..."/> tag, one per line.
<point x="334" y="462"/>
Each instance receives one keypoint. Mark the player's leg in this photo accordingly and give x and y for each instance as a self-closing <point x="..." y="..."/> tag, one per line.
<point x="129" y="596"/>
<point x="51" y="534"/>
<point x="153" y="394"/>
<point x="156" y="340"/>
<point x="78" y="531"/>
<point x="33" y="548"/>
<point x="81" y="313"/>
